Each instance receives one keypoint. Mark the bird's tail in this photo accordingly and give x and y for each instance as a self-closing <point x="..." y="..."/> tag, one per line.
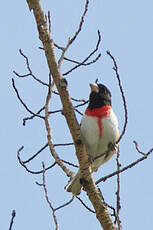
<point x="74" y="185"/>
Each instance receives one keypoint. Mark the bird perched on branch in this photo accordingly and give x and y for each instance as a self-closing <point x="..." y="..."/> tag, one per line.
<point x="99" y="128"/>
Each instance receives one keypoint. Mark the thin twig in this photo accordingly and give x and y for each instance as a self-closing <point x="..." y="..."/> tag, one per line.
<point x="76" y="106"/>
<point x="69" y="163"/>
<point x="118" y="203"/>
<point x="86" y="59"/>
<point x="36" y="154"/>
<point x="89" y="209"/>
<point x="113" y="209"/>
<point x="49" y="21"/>
<point x="78" y="112"/>
<point x="25" y="106"/>
<point x="66" y="204"/>
<point x="84" y="64"/>
<point x="29" y="69"/>
<point x="82" y="104"/>
<point x="70" y="41"/>
<point x="137" y="148"/>
<point x="12" y="219"/>
<point x="65" y="144"/>
<point x="31" y="117"/>
<point x="63" y="53"/>
<point x="81" y="22"/>
<point x="78" y="100"/>
<point x="74" y="61"/>
<point x="47" y="198"/>
<point x="55" y="111"/>
<point x="72" y="98"/>
<point x="126" y="167"/>
<point x="26" y="168"/>
<point x="115" y="68"/>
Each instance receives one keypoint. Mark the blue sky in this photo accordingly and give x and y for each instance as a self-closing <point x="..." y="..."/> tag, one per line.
<point x="126" y="30"/>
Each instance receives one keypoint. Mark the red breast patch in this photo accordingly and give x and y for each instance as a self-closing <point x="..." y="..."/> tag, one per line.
<point x="100" y="113"/>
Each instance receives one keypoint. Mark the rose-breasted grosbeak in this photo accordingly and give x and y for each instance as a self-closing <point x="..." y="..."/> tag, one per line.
<point x="99" y="128"/>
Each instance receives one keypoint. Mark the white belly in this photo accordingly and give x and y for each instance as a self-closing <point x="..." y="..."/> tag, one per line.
<point x="95" y="144"/>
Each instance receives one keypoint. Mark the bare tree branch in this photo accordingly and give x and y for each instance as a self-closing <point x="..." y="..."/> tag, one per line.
<point x="118" y="204"/>
<point x="25" y="106"/>
<point x="87" y="58"/>
<point x="93" y="193"/>
<point x="78" y="112"/>
<point x="26" y="168"/>
<point x="126" y="167"/>
<point x="63" y="53"/>
<point x="49" y="21"/>
<point x="48" y="201"/>
<point x="81" y="63"/>
<point x="36" y="154"/>
<point x="64" y="205"/>
<point x="69" y="163"/>
<point x="72" y="98"/>
<point x="137" y="148"/>
<point x="23" y="163"/>
<point x="47" y="198"/>
<point x="65" y="144"/>
<point x="49" y="135"/>
<point x="12" y="219"/>
<point x="29" y="70"/>
<point x="81" y="22"/>
<point x="70" y="41"/>
<point x="81" y="201"/>
<point x="31" y="117"/>
<point x="113" y="210"/>
<point x="115" y="68"/>
<point x="76" y="106"/>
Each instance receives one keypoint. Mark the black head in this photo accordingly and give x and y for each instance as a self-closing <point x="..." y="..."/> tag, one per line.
<point x="99" y="96"/>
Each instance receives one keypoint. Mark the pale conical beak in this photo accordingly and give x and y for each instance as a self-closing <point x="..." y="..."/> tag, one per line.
<point x="94" y="87"/>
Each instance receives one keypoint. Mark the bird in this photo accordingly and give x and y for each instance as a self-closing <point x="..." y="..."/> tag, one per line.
<point x="99" y="130"/>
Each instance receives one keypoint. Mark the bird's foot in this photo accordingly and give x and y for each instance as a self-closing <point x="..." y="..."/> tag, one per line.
<point x="112" y="146"/>
<point x="91" y="158"/>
